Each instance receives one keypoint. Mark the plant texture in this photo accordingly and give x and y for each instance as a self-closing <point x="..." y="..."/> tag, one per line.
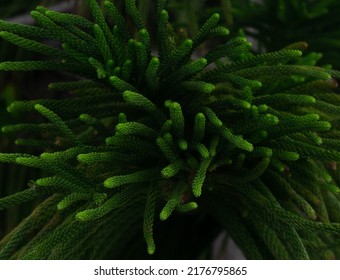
<point x="13" y="8"/>
<point x="160" y="140"/>
<point x="314" y="22"/>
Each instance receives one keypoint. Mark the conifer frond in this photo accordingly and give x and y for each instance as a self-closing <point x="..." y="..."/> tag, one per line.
<point x="31" y="45"/>
<point x="251" y="141"/>
<point x="149" y="215"/>
<point x="174" y="200"/>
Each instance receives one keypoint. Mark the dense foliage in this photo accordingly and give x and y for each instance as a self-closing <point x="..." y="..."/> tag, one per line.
<point x="164" y="143"/>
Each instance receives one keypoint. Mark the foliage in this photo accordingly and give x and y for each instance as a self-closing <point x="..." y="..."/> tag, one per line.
<point x="172" y="143"/>
<point x="275" y="24"/>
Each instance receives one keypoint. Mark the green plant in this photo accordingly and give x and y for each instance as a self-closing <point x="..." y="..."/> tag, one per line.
<point x="310" y="21"/>
<point x="248" y="144"/>
<point x="18" y="11"/>
<point x="14" y="8"/>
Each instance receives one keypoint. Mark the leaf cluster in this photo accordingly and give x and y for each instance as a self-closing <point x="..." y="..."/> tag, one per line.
<point x="146" y="138"/>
